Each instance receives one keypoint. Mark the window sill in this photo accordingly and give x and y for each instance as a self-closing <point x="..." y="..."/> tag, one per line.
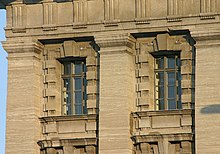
<point x="163" y="112"/>
<point x="69" y="118"/>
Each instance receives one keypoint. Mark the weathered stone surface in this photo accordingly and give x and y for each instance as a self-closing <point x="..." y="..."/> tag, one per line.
<point x="127" y="35"/>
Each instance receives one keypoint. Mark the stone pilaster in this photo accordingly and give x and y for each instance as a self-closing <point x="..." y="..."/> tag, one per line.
<point x="24" y="97"/>
<point x="207" y="100"/>
<point x="117" y="93"/>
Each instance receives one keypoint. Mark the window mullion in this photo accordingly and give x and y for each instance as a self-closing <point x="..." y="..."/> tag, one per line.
<point x="175" y="78"/>
<point x="73" y="88"/>
<point x="165" y="84"/>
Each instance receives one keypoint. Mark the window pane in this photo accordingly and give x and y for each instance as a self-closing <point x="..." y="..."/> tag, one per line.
<point x="160" y="79"/>
<point x="161" y="104"/>
<point x="67" y="68"/>
<point x="171" y="104"/>
<point x="171" y="62"/>
<point x="78" y="68"/>
<point x="171" y="78"/>
<point x="78" y="83"/>
<point x="160" y="92"/>
<point x="67" y="95"/>
<point x="68" y="103"/>
<point x="159" y="63"/>
<point x="78" y="95"/>
<point x="66" y="84"/>
<point x="178" y="62"/>
<point x="171" y="92"/>
<point x="78" y="109"/>
<point x="179" y="105"/>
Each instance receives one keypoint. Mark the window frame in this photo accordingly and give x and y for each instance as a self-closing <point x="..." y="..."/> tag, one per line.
<point x="177" y="80"/>
<point x="72" y="76"/>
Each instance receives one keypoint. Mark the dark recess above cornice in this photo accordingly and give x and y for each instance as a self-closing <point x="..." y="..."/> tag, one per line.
<point x="4" y="3"/>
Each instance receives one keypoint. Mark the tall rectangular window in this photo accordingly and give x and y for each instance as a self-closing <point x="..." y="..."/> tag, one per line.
<point x="167" y="82"/>
<point x="74" y="87"/>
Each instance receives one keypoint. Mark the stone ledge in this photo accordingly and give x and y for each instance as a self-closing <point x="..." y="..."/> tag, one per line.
<point x="68" y="118"/>
<point x="163" y="113"/>
<point x="156" y="137"/>
<point x="62" y="142"/>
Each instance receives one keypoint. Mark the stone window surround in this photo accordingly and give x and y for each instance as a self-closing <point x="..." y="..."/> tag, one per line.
<point x="162" y="42"/>
<point x="52" y="74"/>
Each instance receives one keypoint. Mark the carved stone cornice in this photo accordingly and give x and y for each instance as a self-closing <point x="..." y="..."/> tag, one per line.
<point x="115" y="40"/>
<point x="68" y="118"/>
<point x="163" y="113"/>
<point x="21" y="47"/>
<point x="63" y="142"/>
<point x="156" y="137"/>
<point x="114" y="43"/>
<point x="205" y="38"/>
<point x="203" y="35"/>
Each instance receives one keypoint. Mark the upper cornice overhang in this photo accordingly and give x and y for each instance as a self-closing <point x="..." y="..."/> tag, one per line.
<point x="4" y="3"/>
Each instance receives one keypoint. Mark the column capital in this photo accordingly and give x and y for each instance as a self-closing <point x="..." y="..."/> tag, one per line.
<point x="115" y="43"/>
<point x="22" y="47"/>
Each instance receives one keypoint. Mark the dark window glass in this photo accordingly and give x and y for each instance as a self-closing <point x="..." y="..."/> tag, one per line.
<point x="67" y="68"/>
<point x="161" y="104"/>
<point x="171" y="104"/>
<point x="74" y="82"/>
<point x="171" y="62"/>
<point x="171" y="78"/>
<point x="78" y="68"/>
<point x="168" y="82"/>
<point x="159" y="63"/>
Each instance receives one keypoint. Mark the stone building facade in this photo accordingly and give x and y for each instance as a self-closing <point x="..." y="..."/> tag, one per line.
<point x="113" y="76"/>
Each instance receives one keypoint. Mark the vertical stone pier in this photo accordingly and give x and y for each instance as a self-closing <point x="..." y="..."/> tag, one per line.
<point x="117" y="89"/>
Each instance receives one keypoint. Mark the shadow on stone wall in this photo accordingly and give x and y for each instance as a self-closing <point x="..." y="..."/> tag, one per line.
<point x="211" y="109"/>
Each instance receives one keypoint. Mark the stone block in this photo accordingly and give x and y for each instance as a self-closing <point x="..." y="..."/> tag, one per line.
<point x="51" y="128"/>
<point x="185" y="55"/>
<point x="91" y="61"/>
<point x="91" y="125"/>
<point x="143" y="101"/>
<point x="71" y="49"/>
<point x="52" y="105"/>
<point x="50" y="92"/>
<point x="71" y="126"/>
<point x="51" y="63"/>
<point x="50" y="78"/>
<point x="143" y="58"/>
<point x="91" y="75"/>
<point x="91" y="103"/>
<point x="186" y="120"/>
<point x="161" y="42"/>
<point x="145" y="122"/>
<point x="143" y="86"/>
<point x="90" y="149"/>
<point x="186" y="83"/>
<point x="187" y="98"/>
<point x="187" y="69"/>
<point x="143" y="72"/>
<point x="91" y="89"/>
<point x="165" y="121"/>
